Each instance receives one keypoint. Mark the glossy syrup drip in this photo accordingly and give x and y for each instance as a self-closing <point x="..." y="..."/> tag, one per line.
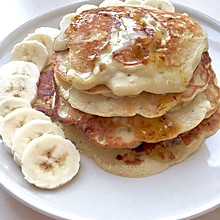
<point x="155" y="129"/>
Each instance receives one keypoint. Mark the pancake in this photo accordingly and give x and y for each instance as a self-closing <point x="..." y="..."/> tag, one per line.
<point x="131" y="50"/>
<point x="146" y="104"/>
<point x="147" y="159"/>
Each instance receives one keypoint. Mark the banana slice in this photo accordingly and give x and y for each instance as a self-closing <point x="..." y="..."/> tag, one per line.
<point x="20" y="68"/>
<point x="16" y="119"/>
<point x="62" y="39"/>
<point x="28" y="132"/>
<point x="53" y="32"/>
<point x="65" y="21"/>
<point x="107" y="3"/>
<point x="163" y="5"/>
<point x="44" y="36"/>
<point x="31" y="51"/>
<point x="18" y="86"/>
<point x="9" y="104"/>
<point x="50" y="161"/>
<point x="85" y="7"/>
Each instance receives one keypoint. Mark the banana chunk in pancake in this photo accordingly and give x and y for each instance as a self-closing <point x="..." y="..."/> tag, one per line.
<point x="131" y="50"/>
<point x="147" y="159"/>
<point x="146" y="104"/>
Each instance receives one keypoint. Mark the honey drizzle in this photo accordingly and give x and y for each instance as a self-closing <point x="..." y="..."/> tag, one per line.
<point x="154" y="129"/>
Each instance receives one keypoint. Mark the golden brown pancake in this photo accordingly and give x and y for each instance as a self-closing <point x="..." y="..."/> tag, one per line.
<point x="130" y="50"/>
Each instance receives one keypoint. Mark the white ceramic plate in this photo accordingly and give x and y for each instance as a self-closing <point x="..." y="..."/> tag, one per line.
<point x="184" y="190"/>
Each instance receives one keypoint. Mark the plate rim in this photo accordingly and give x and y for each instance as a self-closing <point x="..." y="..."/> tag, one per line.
<point x="54" y="213"/>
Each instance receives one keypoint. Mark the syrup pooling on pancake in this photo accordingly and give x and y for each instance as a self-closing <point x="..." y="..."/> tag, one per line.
<point x="131" y="50"/>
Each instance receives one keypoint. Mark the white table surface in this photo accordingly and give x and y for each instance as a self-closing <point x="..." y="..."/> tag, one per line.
<point x="14" y="13"/>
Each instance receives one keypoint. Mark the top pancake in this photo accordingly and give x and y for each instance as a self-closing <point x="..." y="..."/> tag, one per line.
<point x="131" y="49"/>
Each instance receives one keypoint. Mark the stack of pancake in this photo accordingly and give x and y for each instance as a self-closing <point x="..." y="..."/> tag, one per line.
<point x="134" y="87"/>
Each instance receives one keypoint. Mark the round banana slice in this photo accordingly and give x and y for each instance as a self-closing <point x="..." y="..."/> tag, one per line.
<point x="163" y="5"/>
<point x="53" y="32"/>
<point x="65" y="21"/>
<point x="28" y="132"/>
<point x="85" y="7"/>
<point x="9" y="104"/>
<point x="46" y="38"/>
<point x="16" y="119"/>
<point x="20" y="68"/>
<point x="18" y="86"/>
<point x="50" y="161"/>
<point x="31" y="51"/>
<point x="107" y="3"/>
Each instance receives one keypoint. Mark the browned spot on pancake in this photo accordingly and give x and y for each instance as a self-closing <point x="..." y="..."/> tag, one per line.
<point x="130" y="159"/>
<point x="163" y="151"/>
<point x="45" y="93"/>
<point x="135" y="54"/>
<point x="45" y="86"/>
<point x="176" y="24"/>
<point x="89" y="34"/>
